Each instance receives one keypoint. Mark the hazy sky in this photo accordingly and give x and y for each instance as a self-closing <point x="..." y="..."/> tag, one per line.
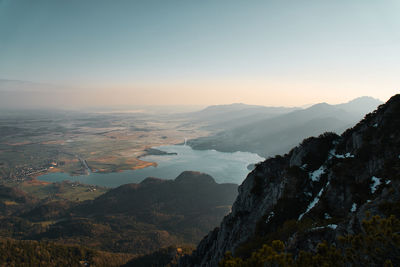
<point x="200" y="52"/>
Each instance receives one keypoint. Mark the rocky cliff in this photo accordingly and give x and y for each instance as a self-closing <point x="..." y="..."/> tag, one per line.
<point x="319" y="190"/>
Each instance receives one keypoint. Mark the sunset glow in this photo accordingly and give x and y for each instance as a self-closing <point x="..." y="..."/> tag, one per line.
<point x="186" y="53"/>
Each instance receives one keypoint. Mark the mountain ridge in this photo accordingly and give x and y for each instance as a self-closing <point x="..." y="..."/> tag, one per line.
<point x="318" y="191"/>
<point x="275" y="135"/>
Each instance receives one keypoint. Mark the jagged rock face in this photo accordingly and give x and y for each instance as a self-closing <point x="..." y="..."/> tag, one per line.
<point x="327" y="183"/>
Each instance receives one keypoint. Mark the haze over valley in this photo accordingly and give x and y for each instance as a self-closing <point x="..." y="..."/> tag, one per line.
<point x="167" y="133"/>
<point x="90" y="144"/>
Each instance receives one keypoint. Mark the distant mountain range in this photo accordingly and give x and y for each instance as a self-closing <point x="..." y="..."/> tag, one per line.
<point x="225" y="117"/>
<point x="271" y="131"/>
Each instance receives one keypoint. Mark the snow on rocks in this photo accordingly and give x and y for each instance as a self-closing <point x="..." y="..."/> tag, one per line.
<point x="332" y="154"/>
<point x="314" y="202"/>
<point x="347" y="155"/>
<point x="315" y="175"/>
<point x="270" y="216"/>
<point x="376" y="182"/>
<point x="332" y="226"/>
<point x="353" y="207"/>
<point x="304" y="166"/>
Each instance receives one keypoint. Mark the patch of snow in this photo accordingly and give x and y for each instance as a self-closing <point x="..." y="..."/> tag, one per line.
<point x="354" y="207"/>
<point x="314" y="202"/>
<point x="377" y="182"/>
<point x="309" y="194"/>
<point x="327" y="216"/>
<point x="332" y="153"/>
<point x="315" y="175"/>
<point x="304" y="166"/>
<point x="347" y="155"/>
<point x="332" y="226"/>
<point x="270" y="216"/>
<point x="318" y="228"/>
<point x="375" y="125"/>
<point x="388" y="182"/>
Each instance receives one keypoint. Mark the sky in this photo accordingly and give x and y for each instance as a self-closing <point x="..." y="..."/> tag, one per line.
<point x="187" y="52"/>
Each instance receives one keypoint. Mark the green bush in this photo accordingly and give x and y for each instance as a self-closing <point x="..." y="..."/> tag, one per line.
<point x="377" y="245"/>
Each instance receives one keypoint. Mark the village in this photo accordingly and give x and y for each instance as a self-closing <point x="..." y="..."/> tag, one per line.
<point x="23" y="173"/>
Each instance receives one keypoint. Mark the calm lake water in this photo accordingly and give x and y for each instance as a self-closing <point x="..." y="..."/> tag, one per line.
<point x="224" y="167"/>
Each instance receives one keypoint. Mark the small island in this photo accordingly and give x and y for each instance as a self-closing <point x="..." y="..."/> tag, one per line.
<point x="157" y="152"/>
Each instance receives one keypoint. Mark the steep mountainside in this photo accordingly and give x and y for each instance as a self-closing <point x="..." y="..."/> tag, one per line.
<point x="319" y="191"/>
<point x="270" y="136"/>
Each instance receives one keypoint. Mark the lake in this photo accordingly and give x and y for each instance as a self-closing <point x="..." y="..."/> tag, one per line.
<point x="224" y="167"/>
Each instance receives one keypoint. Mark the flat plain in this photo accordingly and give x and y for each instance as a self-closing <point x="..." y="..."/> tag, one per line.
<point x="33" y="143"/>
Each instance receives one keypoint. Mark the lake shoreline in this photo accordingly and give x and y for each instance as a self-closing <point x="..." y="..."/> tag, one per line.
<point x="173" y="160"/>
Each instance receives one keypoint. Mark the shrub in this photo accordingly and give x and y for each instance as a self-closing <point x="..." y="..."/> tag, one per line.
<point x="377" y="245"/>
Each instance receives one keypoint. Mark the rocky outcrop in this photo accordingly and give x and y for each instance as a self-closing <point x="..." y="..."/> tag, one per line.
<point x="323" y="188"/>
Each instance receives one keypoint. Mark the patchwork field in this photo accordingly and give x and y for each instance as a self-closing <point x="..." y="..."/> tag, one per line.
<point x="38" y="142"/>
